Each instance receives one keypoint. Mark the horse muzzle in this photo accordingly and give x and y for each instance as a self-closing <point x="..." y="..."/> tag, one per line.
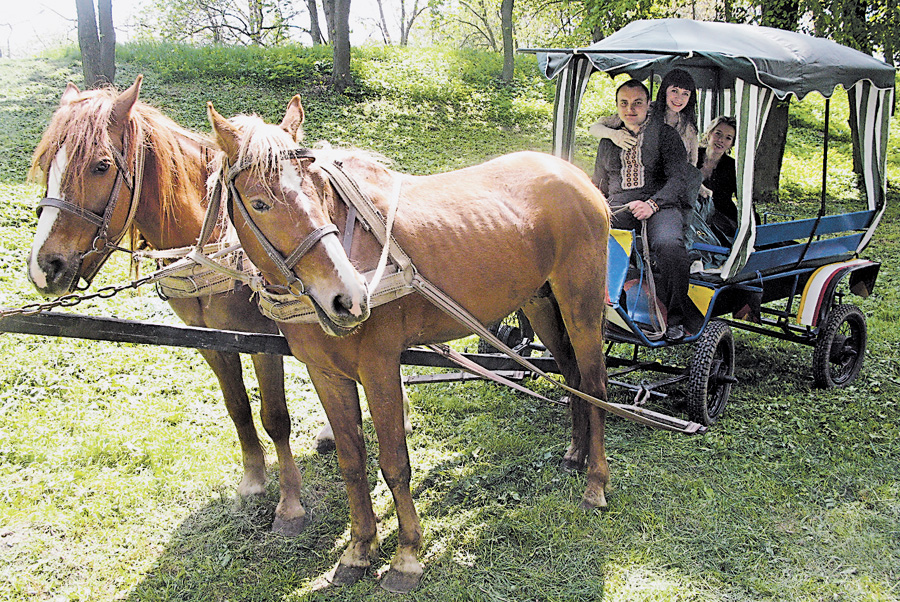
<point x="54" y="274"/>
<point x="342" y="313"/>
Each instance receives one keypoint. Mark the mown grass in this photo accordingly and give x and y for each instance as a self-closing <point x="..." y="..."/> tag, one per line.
<point x="118" y="463"/>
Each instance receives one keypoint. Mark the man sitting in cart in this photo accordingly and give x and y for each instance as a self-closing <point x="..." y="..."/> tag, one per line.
<point x="649" y="183"/>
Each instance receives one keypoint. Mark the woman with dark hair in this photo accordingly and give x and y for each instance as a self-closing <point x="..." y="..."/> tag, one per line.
<point x="675" y="105"/>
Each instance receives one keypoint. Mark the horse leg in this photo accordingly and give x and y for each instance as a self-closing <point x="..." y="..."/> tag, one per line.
<point x="385" y="395"/>
<point x="227" y="368"/>
<point x="581" y="304"/>
<point x="340" y="399"/>
<point x="290" y="515"/>
<point x="543" y="314"/>
<point x="325" y="438"/>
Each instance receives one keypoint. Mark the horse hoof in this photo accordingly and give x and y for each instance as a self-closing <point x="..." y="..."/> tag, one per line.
<point x="347" y="575"/>
<point x="593" y="502"/>
<point x="570" y="465"/>
<point x="291" y="527"/>
<point x="324" y="446"/>
<point x="400" y="583"/>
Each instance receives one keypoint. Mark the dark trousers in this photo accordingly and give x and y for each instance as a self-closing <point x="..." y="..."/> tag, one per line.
<point x="665" y="230"/>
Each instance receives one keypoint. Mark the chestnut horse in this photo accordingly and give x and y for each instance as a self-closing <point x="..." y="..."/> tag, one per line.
<point x="526" y="229"/>
<point x="77" y="161"/>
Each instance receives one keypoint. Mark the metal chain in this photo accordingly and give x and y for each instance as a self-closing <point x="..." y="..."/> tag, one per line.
<point x="73" y="299"/>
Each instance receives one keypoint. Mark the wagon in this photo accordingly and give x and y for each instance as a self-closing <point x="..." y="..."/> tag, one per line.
<point x="784" y="276"/>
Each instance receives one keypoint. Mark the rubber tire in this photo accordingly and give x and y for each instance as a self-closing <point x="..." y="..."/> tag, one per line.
<point x="512" y="331"/>
<point x="840" y="347"/>
<point x="711" y="373"/>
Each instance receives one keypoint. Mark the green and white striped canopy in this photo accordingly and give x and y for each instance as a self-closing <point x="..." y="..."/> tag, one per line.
<point x="739" y="70"/>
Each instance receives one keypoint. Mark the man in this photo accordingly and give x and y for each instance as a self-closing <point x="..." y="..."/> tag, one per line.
<point x="648" y="181"/>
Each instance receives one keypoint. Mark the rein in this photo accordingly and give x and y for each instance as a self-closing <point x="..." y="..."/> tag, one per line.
<point x="370" y="215"/>
<point x="103" y="243"/>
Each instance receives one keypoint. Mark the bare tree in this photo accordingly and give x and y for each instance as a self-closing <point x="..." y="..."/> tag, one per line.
<point x="382" y="23"/>
<point x="97" y="42"/>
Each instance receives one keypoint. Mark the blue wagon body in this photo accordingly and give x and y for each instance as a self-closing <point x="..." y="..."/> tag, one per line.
<point x="779" y="278"/>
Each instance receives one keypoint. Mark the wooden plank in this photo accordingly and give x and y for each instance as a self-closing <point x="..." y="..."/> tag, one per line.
<point x="71" y="325"/>
<point x="79" y="326"/>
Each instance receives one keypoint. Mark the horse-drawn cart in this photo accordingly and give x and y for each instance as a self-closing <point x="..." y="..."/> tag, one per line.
<point x="786" y="277"/>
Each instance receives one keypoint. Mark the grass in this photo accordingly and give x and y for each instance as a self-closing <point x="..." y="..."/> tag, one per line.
<point x="118" y="463"/>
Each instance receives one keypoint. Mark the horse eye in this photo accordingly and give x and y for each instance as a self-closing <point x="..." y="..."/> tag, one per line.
<point x="259" y="205"/>
<point x="102" y="166"/>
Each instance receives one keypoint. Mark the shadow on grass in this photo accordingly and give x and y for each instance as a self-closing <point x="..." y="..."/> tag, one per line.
<point x="225" y="550"/>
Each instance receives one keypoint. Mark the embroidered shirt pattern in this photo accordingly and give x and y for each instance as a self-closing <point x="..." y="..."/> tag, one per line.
<point x="633" y="165"/>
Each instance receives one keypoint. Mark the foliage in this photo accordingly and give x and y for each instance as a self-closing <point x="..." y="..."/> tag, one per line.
<point x="245" y="22"/>
<point x="118" y="463"/>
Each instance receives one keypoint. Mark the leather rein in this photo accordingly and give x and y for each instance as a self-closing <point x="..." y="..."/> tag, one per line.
<point x="376" y="221"/>
<point x="104" y="243"/>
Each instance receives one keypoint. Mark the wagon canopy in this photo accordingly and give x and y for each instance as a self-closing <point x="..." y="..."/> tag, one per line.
<point x="739" y="71"/>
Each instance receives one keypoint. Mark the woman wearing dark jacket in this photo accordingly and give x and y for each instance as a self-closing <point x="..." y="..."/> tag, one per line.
<point x="719" y="179"/>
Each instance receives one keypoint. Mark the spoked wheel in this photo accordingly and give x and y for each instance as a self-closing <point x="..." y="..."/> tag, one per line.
<point x="514" y="331"/>
<point x="711" y="373"/>
<point x="840" y="347"/>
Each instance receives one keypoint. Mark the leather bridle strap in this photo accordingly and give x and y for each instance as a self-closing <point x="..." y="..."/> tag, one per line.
<point x="103" y="243"/>
<point x="284" y="264"/>
<point x="85" y="214"/>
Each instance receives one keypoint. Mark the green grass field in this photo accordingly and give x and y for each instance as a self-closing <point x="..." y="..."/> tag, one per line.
<point x="118" y="463"/>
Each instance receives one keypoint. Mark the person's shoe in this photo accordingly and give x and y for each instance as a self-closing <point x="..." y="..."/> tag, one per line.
<point x="675" y="332"/>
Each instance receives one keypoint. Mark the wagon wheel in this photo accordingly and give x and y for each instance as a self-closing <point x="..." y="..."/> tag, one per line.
<point x="711" y="373"/>
<point x="513" y="331"/>
<point x="840" y="347"/>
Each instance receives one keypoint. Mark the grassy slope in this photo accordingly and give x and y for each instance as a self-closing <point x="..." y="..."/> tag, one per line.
<point x="118" y="463"/>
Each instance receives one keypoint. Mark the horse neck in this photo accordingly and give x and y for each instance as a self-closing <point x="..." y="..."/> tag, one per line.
<point x="175" y="222"/>
<point x="371" y="179"/>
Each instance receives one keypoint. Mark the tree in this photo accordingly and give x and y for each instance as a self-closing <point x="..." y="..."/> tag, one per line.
<point x="509" y="59"/>
<point x="337" y="16"/>
<point x="783" y="14"/>
<point x="315" y="32"/>
<point x="249" y="22"/>
<point x="97" y="42"/>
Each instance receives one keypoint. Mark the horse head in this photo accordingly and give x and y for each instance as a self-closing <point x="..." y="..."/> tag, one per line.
<point x="82" y="161"/>
<point x="280" y="204"/>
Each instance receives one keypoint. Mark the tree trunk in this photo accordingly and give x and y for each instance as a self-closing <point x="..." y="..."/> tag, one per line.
<point x="385" y="33"/>
<point x="340" y="75"/>
<point x="315" y="31"/>
<point x="328" y="7"/>
<point x="509" y="60"/>
<point x="89" y="43"/>
<point x="107" y="40"/>
<point x="770" y="153"/>
<point x="783" y="14"/>
<point x="856" y="36"/>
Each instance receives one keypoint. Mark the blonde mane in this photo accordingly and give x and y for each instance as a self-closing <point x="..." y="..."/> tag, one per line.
<point x="81" y="126"/>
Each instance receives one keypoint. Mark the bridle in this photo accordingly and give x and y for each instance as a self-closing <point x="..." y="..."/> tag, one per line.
<point x="284" y="264"/>
<point x="104" y="243"/>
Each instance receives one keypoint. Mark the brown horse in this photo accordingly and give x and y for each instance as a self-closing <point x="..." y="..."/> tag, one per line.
<point x="524" y="229"/>
<point x="77" y="160"/>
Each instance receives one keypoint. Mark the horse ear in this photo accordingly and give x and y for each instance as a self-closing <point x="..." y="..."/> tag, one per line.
<point x="121" y="111"/>
<point x="72" y="92"/>
<point x="227" y="135"/>
<point x="293" y="119"/>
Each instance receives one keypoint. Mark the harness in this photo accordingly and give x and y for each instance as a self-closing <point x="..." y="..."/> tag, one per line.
<point x="104" y="243"/>
<point x="349" y="191"/>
